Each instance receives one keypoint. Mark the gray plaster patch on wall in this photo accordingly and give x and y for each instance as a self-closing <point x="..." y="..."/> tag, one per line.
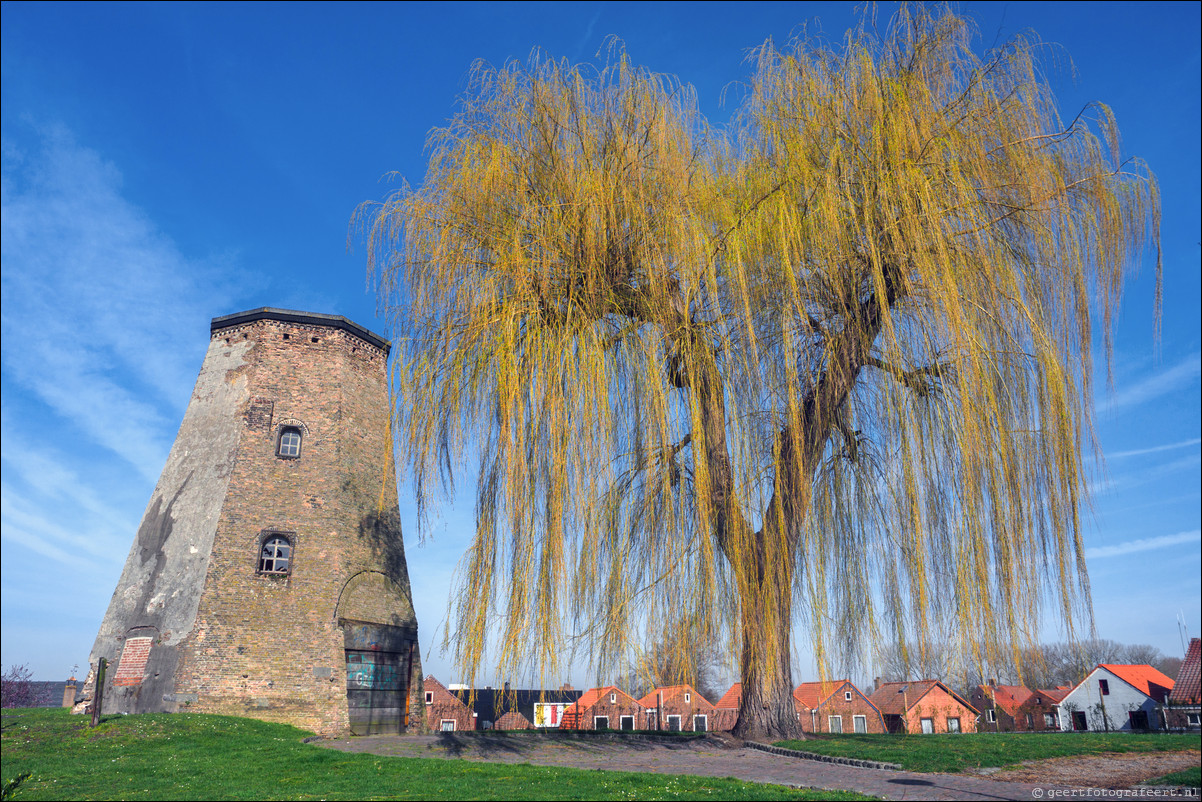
<point x="164" y="573"/>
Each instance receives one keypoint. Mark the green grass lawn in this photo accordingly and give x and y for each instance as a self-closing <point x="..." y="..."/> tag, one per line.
<point x="952" y="753"/>
<point x="1190" y="778"/>
<point x="192" y="756"/>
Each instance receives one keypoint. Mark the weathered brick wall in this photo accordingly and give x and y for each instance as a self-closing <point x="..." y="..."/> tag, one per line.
<point x="1037" y="708"/>
<point x="724" y="719"/>
<point x="837" y="704"/>
<point x="623" y="706"/>
<point x="938" y="706"/>
<point x="674" y="704"/>
<point x="271" y="646"/>
<point x="442" y="705"/>
<point x="513" y="720"/>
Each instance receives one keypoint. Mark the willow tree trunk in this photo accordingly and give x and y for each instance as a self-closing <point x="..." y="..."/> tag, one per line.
<point x="764" y="572"/>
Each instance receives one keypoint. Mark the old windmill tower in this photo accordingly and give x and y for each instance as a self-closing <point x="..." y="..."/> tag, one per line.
<point x="268" y="576"/>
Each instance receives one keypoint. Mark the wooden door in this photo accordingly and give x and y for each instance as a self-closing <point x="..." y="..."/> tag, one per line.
<point x="379" y="659"/>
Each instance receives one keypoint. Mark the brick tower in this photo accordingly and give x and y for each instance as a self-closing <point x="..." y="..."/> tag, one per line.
<point x="268" y="576"/>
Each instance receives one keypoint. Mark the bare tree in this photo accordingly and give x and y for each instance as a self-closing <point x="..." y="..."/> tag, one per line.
<point x="1058" y="664"/>
<point x="676" y="661"/>
<point x="739" y="377"/>
<point x="937" y="661"/>
<point x="17" y="687"/>
<point x="1169" y="666"/>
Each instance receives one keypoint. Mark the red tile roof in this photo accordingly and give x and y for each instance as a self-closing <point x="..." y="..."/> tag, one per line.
<point x="513" y="720"/>
<point x="890" y="699"/>
<point x="1144" y="678"/>
<point x="1056" y="694"/>
<point x="1186" y="687"/>
<point x="812" y="694"/>
<point x="573" y="714"/>
<point x="1008" y="698"/>
<point x="730" y="700"/>
<point x="670" y="692"/>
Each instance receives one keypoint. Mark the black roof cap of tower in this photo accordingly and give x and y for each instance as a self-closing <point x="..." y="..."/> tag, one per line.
<point x="305" y="318"/>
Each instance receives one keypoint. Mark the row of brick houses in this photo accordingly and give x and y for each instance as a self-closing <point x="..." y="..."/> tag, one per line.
<point x="1110" y="697"/>
<point x="1015" y="708"/>
<point x="822" y="707"/>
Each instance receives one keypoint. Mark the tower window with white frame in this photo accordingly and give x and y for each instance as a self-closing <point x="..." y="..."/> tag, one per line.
<point x="289" y="444"/>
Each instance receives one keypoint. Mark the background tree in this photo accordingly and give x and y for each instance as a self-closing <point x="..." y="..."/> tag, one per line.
<point x="1045" y="665"/>
<point x="828" y="364"/>
<point x="676" y="660"/>
<point x="16" y="687"/>
<point x="940" y="661"/>
<point x="1055" y="664"/>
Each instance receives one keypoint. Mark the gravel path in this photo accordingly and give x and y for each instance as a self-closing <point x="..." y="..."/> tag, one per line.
<point x="709" y="757"/>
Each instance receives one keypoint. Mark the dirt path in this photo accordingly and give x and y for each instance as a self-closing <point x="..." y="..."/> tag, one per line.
<point x="1110" y="770"/>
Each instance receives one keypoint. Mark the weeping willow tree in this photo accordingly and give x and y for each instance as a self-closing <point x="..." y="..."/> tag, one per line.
<point x="826" y="366"/>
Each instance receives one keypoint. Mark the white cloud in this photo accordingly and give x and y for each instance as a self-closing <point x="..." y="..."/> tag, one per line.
<point x="1154" y="449"/>
<point x="105" y="325"/>
<point x="104" y="319"/>
<point x="62" y="493"/>
<point x="1183" y="373"/>
<point x="1144" y="544"/>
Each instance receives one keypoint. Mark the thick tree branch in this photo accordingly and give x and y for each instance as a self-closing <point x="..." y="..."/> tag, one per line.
<point x="799" y="451"/>
<point x="923" y="381"/>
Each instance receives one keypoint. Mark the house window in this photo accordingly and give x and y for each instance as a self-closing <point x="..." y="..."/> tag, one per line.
<point x="953" y="724"/>
<point x="686" y="698"/>
<point x="673" y="723"/>
<point x="626" y="722"/>
<point x="275" y="556"/>
<point x="429" y="697"/>
<point x="1030" y="722"/>
<point x="928" y="726"/>
<point x="289" y="445"/>
<point x="847" y="696"/>
<point x="859" y="724"/>
<point x="701" y="723"/>
<point x="1104" y="687"/>
<point x="992" y="716"/>
<point x="600" y="722"/>
<point x="447" y="725"/>
<point x="613" y="698"/>
<point x="835" y="724"/>
<point x="1193" y="719"/>
<point x="1049" y="721"/>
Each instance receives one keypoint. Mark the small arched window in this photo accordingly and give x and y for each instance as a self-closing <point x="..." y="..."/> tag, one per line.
<point x="290" y="442"/>
<point x="275" y="556"/>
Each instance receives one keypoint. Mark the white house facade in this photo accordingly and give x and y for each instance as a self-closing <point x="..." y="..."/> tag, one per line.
<point x="1111" y="698"/>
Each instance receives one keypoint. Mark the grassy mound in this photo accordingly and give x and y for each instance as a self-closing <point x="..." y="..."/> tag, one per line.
<point x="193" y="756"/>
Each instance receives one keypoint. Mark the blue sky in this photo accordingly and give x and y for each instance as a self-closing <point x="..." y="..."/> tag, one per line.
<point x="164" y="164"/>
